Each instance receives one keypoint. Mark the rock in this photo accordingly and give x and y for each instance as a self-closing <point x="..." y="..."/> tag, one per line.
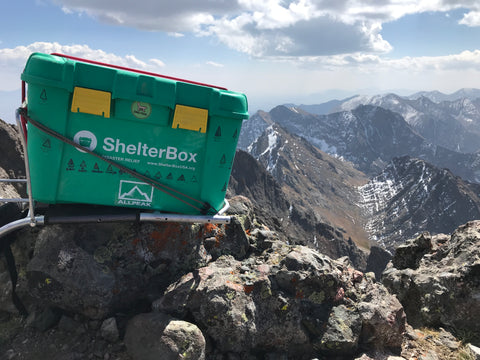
<point x="67" y="276"/>
<point x="342" y="332"/>
<point x="6" y="303"/>
<point x="109" y="330"/>
<point x="225" y="240"/>
<point x="377" y="261"/>
<point x="264" y="238"/>
<point x="159" y="336"/>
<point x="242" y="208"/>
<point x="379" y="356"/>
<point x="8" y="191"/>
<point x="44" y="319"/>
<point x="290" y="299"/>
<point x="11" y="160"/>
<point x="96" y="269"/>
<point x="10" y="354"/>
<point x="276" y="356"/>
<point x="440" y="286"/>
<point x="475" y="351"/>
<point x="67" y="324"/>
<point x="429" y="343"/>
<point x="383" y="319"/>
<point x="448" y="340"/>
<point x="409" y="254"/>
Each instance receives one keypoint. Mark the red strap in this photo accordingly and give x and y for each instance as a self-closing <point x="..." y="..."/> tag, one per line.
<point x="135" y="70"/>
<point x="23" y="120"/>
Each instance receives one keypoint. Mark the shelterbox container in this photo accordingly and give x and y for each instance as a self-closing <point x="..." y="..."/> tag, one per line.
<point x="181" y="134"/>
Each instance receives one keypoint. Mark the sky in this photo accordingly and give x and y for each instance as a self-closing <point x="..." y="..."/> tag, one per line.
<point x="274" y="51"/>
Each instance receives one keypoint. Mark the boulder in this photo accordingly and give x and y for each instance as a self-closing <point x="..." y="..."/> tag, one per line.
<point x="159" y="336"/>
<point x="97" y="269"/>
<point x="436" y="278"/>
<point x="291" y="300"/>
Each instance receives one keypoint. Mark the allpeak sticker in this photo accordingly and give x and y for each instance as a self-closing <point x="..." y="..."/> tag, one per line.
<point x="135" y="193"/>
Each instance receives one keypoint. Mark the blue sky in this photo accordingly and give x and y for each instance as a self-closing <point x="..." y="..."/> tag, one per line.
<point x="275" y="51"/>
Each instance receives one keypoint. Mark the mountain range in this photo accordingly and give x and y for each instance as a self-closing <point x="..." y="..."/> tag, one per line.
<point x="368" y="136"/>
<point x="452" y="124"/>
<point x="367" y="171"/>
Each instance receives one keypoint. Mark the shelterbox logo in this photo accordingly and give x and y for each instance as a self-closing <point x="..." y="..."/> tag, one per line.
<point x="88" y="140"/>
<point x="141" y="149"/>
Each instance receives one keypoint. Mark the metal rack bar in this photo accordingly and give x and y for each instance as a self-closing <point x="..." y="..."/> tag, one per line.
<point x="27" y="168"/>
<point x="13" y="180"/>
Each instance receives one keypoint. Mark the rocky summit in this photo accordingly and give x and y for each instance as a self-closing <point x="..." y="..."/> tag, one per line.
<point x="171" y="291"/>
<point x="180" y="291"/>
<point x="275" y="283"/>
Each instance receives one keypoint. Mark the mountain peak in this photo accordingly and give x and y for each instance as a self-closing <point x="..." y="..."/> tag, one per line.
<point x="424" y="197"/>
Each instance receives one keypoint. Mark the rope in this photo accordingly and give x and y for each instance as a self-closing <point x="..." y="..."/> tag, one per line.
<point x="203" y="207"/>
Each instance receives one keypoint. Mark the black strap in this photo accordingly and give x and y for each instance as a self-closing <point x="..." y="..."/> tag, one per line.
<point x="202" y="206"/>
<point x="10" y="212"/>
<point x="7" y="250"/>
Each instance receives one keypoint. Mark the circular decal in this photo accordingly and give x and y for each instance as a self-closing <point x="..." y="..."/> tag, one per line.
<point x="141" y="110"/>
<point x="86" y="139"/>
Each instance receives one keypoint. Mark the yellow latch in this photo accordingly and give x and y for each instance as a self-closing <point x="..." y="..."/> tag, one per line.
<point x="190" y="118"/>
<point x="90" y="101"/>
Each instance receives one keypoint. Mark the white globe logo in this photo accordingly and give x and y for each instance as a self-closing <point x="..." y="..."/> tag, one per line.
<point x="86" y="139"/>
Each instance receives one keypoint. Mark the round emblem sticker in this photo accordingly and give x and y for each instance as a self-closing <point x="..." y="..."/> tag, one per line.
<point x="87" y="139"/>
<point x="141" y="110"/>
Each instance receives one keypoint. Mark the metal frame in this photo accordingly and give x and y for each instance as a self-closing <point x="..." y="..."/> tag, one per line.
<point x="40" y="220"/>
<point x="15" y="200"/>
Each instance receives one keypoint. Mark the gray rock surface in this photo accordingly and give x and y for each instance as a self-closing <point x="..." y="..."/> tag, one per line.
<point x="437" y="279"/>
<point x="11" y="150"/>
<point x="290" y="299"/>
<point x="223" y="292"/>
<point x="156" y="336"/>
<point x="109" y="330"/>
<point x="96" y="269"/>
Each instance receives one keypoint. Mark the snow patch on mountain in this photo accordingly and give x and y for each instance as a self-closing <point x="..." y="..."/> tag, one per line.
<point x="272" y="147"/>
<point x="396" y="194"/>
<point x="323" y="145"/>
<point x="375" y="197"/>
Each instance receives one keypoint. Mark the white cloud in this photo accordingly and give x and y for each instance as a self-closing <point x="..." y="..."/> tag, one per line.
<point x="214" y="64"/>
<point x="157" y="63"/>
<point x="275" y="77"/>
<point x="271" y="27"/>
<point x="175" y="34"/>
<point x="466" y="60"/>
<point x="12" y="60"/>
<point x="471" y="19"/>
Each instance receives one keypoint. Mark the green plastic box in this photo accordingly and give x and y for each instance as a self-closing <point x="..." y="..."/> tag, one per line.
<point x="182" y="135"/>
